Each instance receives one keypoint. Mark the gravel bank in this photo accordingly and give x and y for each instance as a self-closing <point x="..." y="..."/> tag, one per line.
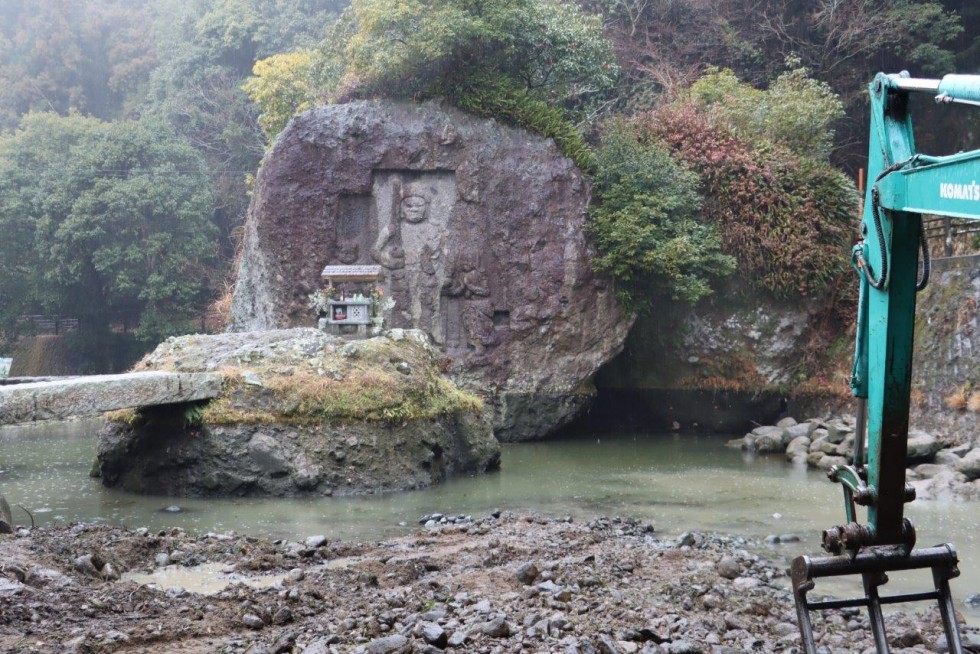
<point x="502" y="583"/>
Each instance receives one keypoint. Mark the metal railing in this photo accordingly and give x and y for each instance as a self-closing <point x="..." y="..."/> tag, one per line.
<point x="949" y="236"/>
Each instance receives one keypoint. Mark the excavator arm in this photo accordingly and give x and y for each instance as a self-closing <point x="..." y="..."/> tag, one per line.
<point x="905" y="185"/>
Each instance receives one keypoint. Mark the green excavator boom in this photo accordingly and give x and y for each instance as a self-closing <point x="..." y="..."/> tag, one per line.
<point x="904" y="185"/>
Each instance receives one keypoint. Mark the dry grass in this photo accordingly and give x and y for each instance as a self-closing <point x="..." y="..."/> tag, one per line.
<point x="825" y="385"/>
<point x="372" y="380"/>
<point x="365" y="393"/>
<point x="973" y="404"/>
<point x="733" y="371"/>
<point x="128" y="416"/>
<point x="957" y="400"/>
<point x="219" y="310"/>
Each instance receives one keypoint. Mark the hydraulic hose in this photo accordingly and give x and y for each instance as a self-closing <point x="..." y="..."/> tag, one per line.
<point x="881" y="282"/>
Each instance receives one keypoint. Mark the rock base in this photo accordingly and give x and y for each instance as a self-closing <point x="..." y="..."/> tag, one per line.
<point x="300" y="413"/>
<point x="281" y="460"/>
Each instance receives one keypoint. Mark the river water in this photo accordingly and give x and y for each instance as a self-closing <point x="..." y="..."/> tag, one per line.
<point x="679" y="482"/>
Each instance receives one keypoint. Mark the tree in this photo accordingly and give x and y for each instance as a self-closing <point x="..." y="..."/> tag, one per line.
<point x="786" y="218"/>
<point x="796" y="110"/>
<point x="526" y="62"/>
<point x="282" y="86"/>
<point x="668" y="43"/>
<point x="846" y="41"/>
<point x="646" y="221"/>
<point x="208" y="109"/>
<point x="237" y="33"/>
<point x="61" y="55"/>
<point x="119" y="219"/>
<point x="207" y="48"/>
<point x="422" y="48"/>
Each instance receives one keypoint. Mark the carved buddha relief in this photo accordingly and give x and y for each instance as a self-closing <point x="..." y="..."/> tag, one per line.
<point x="413" y="211"/>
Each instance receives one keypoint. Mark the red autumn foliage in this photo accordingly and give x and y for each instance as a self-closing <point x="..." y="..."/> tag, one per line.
<point x="786" y="220"/>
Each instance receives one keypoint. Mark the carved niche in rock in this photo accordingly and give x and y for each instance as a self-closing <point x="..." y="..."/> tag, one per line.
<point x="412" y="212"/>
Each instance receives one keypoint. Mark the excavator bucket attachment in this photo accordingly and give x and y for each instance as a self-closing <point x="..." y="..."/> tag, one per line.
<point x="873" y="564"/>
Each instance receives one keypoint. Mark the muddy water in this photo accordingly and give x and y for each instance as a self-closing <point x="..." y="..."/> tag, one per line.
<point x="678" y="482"/>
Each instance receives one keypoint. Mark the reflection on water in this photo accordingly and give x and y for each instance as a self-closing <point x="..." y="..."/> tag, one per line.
<point x="678" y="482"/>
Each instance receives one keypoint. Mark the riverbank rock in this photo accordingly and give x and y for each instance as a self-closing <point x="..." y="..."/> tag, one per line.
<point x="301" y="413"/>
<point x="716" y="366"/>
<point x="480" y="232"/>
<point x="936" y="470"/>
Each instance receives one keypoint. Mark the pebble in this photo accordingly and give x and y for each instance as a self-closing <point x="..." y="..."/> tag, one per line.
<point x="607" y="645"/>
<point x="109" y="572"/>
<point x="252" y="621"/>
<point x="162" y="559"/>
<point x="497" y="627"/>
<point x="527" y="573"/>
<point x="550" y="588"/>
<point x="85" y="565"/>
<point x="314" y="542"/>
<point x="173" y="508"/>
<point x="434" y="634"/>
<point x="458" y="638"/>
<point x="387" y="645"/>
<point x="728" y="567"/>
<point x="282" y="616"/>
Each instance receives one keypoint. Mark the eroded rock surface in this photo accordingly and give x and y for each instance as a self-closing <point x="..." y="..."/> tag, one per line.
<point x="479" y="229"/>
<point x="946" y="367"/>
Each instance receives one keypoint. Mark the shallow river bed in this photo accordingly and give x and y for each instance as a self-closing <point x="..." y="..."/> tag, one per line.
<point x="679" y="482"/>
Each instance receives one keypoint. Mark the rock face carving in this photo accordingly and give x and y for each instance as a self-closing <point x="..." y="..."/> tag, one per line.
<point x="479" y="229"/>
<point x="412" y="212"/>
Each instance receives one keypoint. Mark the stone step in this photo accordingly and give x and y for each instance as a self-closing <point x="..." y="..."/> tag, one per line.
<point x="57" y="400"/>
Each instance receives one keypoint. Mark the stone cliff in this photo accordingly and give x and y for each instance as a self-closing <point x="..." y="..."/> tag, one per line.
<point x="479" y="229"/>
<point x="946" y="367"/>
<point x="734" y="360"/>
<point x="717" y="366"/>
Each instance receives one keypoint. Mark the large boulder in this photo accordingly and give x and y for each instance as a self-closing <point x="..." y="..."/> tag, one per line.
<point x="479" y="229"/>
<point x="300" y="413"/>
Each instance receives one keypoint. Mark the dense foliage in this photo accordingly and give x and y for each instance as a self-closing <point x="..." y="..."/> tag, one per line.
<point x="523" y="61"/>
<point x="663" y="47"/>
<point x="172" y="68"/>
<point x="104" y="218"/>
<point x="58" y="55"/>
<point x="785" y="218"/>
<point x="281" y="85"/>
<point x="647" y="226"/>
<point x="796" y="110"/>
<point x="667" y="44"/>
<point x="547" y="47"/>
